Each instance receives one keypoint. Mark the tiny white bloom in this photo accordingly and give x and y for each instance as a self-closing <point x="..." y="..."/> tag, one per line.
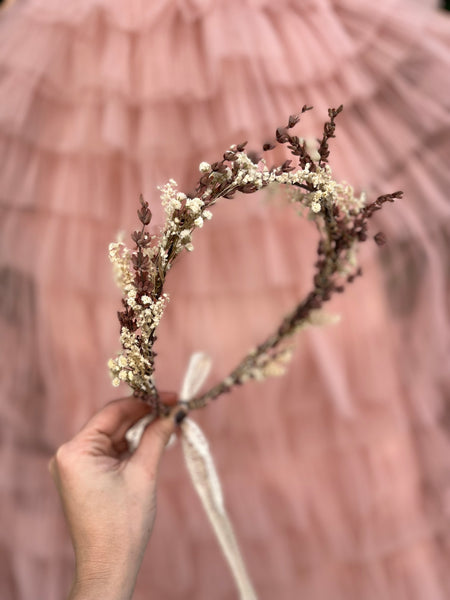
<point x="194" y="204"/>
<point x="204" y="167"/>
<point x="198" y="222"/>
<point x="316" y="207"/>
<point x="116" y="382"/>
<point x="207" y="214"/>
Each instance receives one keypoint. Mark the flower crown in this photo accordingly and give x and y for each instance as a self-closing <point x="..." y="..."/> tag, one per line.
<point x="340" y="217"/>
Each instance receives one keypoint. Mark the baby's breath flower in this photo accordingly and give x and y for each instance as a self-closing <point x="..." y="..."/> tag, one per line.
<point x="116" y="382"/>
<point x="204" y="167"/>
<point x="207" y="214"/>
<point x="170" y="198"/>
<point x="120" y="255"/>
<point x="123" y="375"/>
<point x="198" y="222"/>
<point x="321" y="318"/>
<point x="194" y="205"/>
<point x="122" y="361"/>
<point x="274" y="369"/>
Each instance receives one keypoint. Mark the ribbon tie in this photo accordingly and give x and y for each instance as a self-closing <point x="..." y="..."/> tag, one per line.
<point x="203" y="473"/>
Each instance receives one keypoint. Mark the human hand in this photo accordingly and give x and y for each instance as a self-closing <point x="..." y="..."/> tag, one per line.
<point x="109" y="497"/>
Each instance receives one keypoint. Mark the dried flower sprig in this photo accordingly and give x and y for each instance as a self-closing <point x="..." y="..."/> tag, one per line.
<point x="341" y="219"/>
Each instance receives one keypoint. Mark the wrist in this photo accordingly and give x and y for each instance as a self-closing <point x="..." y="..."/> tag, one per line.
<point x="93" y="589"/>
<point x="105" y="578"/>
<point x="100" y="586"/>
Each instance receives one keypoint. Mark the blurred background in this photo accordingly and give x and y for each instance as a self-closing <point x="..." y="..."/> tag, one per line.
<point x="337" y="476"/>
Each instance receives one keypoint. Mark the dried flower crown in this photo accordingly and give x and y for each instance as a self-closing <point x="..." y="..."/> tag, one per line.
<point x="341" y="219"/>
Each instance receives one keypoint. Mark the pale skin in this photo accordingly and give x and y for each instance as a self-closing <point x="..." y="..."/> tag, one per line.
<point x="109" y="497"/>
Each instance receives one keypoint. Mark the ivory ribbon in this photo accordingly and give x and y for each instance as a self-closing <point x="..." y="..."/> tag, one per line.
<point x="203" y="473"/>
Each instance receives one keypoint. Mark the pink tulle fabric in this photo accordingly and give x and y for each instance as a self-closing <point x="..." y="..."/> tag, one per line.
<point x="337" y="476"/>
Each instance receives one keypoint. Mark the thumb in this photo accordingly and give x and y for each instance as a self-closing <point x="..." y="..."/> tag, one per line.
<point x="151" y="447"/>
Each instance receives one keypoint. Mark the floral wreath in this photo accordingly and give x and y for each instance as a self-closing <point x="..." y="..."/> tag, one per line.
<point x="341" y="219"/>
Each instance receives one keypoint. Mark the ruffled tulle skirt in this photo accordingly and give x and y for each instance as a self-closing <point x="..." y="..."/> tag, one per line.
<point x="336" y="476"/>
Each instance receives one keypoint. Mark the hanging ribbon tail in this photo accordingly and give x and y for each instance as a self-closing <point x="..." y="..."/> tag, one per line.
<point x="204" y="476"/>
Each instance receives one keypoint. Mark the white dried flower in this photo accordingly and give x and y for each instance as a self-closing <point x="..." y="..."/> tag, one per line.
<point x="204" y="167"/>
<point x="198" y="222"/>
<point x="274" y="369"/>
<point x="123" y="375"/>
<point x="122" y="361"/>
<point x="120" y="256"/>
<point x="194" y="205"/>
<point x="320" y="317"/>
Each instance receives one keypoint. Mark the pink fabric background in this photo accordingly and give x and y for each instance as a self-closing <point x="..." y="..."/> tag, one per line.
<point x="336" y="476"/>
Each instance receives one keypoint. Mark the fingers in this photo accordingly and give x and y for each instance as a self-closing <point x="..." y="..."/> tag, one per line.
<point x="115" y="418"/>
<point x="105" y="431"/>
<point x="119" y="415"/>
<point x="151" y="447"/>
<point x="168" y="398"/>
